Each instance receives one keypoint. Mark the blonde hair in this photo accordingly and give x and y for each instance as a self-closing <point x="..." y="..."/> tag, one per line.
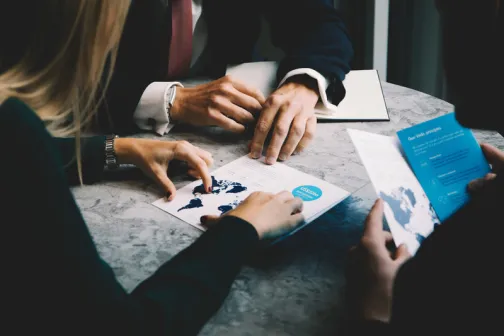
<point x="57" y="64"/>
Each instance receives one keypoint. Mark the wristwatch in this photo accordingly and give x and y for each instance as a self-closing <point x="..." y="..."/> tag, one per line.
<point x="170" y="94"/>
<point x="110" y="154"/>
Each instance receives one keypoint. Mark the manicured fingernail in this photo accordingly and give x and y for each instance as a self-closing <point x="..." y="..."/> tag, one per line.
<point x="203" y="219"/>
<point x="167" y="196"/>
<point x="270" y="160"/>
<point x="282" y="157"/>
<point x="210" y="189"/>
<point x="255" y="155"/>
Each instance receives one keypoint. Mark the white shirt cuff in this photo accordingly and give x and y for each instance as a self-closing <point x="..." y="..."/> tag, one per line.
<point x="151" y="113"/>
<point x="322" y="83"/>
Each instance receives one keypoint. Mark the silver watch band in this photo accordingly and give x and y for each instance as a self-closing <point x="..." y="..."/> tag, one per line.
<point x="110" y="154"/>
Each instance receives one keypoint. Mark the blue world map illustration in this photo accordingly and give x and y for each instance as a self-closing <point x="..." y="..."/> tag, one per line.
<point x="402" y="202"/>
<point x="218" y="187"/>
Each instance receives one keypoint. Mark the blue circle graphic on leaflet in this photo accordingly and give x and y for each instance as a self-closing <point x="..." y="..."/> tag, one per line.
<point x="307" y="193"/>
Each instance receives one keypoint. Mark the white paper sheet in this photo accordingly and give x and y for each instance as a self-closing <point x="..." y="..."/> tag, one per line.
<point x="408" y="210"/>
<point x="238" y="179"/>
<point x="364" y="99"/>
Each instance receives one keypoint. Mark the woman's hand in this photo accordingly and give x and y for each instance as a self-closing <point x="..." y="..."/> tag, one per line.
<point x="154" y="156"/>
<point x="373" y="269"/>
<point x="271" y="215"/>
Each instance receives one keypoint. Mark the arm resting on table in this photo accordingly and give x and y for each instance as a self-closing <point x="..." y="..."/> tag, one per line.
<point x="92" y="158"/>
<point x="66" y="270"/>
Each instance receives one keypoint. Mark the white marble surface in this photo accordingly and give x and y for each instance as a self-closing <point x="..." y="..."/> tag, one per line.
<point x="298" y="288"/>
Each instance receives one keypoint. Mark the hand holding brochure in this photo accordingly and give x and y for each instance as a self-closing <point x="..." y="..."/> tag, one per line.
<point x="443" y="158"/>
<point x="233" y="182"/>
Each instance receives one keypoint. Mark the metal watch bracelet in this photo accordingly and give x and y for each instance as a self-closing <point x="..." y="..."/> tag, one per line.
<point x="110" y="154"/>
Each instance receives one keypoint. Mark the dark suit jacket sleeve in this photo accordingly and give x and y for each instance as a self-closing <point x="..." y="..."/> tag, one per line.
<point x="141" y="60"/>
<point x="312" y="35"/>
<point x="65" y="276"/>
<point x="92" y="158"/>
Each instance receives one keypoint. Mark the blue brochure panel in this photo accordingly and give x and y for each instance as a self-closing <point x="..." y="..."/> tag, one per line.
<point x="445" y="157"/>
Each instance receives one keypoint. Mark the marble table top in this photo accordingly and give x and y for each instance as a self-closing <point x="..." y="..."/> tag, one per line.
<point x="297" y="288"/>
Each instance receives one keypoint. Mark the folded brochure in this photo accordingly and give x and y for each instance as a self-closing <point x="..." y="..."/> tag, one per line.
<point x="233" y="182"/>
<point x="422" y="174"/>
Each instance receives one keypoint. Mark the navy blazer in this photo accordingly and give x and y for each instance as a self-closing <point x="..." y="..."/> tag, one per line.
<point x="310" y="32"/>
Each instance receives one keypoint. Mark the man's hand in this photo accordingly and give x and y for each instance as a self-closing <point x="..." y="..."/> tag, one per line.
<point x="496" y="159"/>
<point x="374" y="268"/>
<point x="225" y="102"/>
<point x="289" y="114"/>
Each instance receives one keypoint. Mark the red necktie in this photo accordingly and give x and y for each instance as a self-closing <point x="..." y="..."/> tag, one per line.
<point x="181" y="39"/>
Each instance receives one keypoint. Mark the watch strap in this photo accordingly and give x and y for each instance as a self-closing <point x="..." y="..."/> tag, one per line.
<point x="110" y="154"/>
<point x="169" y="98"/>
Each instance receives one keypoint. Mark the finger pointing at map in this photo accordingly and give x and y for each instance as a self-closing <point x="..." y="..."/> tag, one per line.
<point x="153" y="158"/>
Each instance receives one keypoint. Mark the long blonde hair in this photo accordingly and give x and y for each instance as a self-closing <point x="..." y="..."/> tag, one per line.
<point x="60" y="54"/>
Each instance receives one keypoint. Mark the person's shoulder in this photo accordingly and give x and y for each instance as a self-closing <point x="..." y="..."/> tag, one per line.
<point x="15" y="111"/>
<point x="22" y="132"/>
<point x="19" y="119"/>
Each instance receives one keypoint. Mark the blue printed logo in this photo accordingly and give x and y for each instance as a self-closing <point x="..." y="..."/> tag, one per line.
<point x="307" y="193"/>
